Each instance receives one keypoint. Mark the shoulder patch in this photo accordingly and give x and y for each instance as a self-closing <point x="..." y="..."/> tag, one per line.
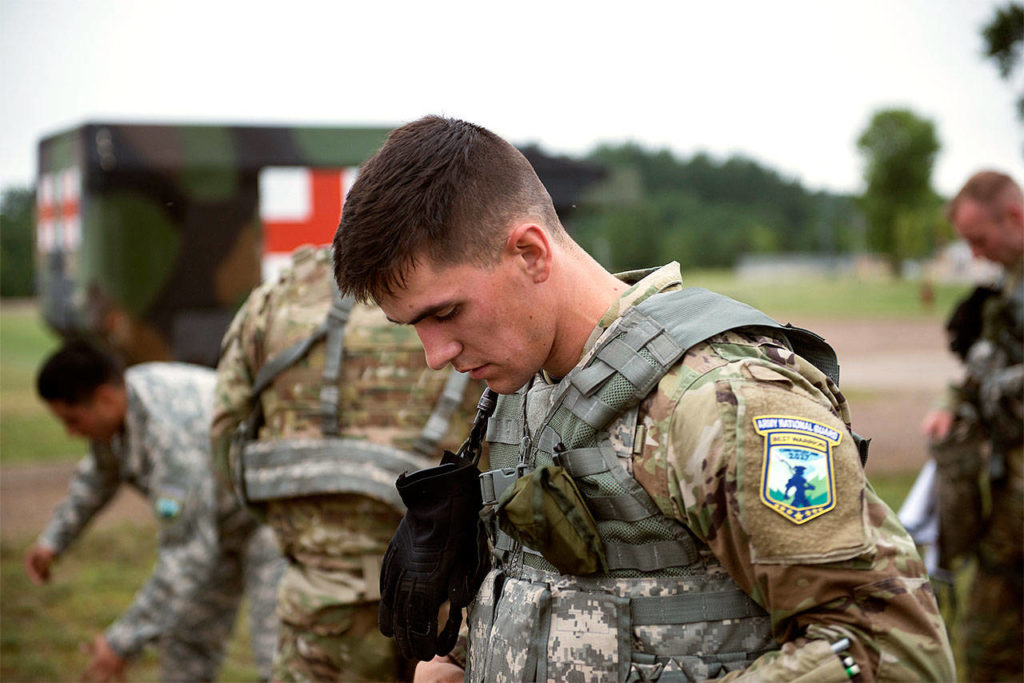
<point x="169" y="502"/>
<point x="797" y="475"/>
<point x="167" y="508"/>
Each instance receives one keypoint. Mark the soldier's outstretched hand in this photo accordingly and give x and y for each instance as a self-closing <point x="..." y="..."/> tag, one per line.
<point x="38" y="559"/>
<point x="937" y="424"/>
<point x="106" y="665"/>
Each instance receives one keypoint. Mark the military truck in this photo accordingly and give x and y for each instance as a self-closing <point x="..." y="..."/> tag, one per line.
<point x="150" y="236"/>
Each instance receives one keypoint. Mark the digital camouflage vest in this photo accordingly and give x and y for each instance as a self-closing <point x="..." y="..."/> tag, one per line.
<point x="663" y="608"/>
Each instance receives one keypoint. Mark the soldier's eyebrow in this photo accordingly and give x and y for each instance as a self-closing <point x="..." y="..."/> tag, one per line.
<point x="424" y="313"/>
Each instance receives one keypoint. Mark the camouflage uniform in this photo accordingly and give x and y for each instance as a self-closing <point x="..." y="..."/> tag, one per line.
<point x="985" y="451"/>
<point x="334" y="540"/>
<point x="710" y="447"/>
<point x="210" y="548"/>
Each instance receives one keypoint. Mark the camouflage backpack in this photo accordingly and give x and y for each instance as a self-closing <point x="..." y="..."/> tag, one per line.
<point x="286" y="468"/>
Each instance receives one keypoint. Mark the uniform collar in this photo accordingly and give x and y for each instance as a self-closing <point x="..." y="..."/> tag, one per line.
<point x="643" y="284"/>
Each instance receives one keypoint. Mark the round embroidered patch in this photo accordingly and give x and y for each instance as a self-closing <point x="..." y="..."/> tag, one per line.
<point x="167" y="508"/>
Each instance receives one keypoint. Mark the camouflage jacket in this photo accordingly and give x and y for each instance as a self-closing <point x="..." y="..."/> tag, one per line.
<point x="162" y="453"/>
<point x="386" y="395"/>
<point x="817" y="549"/>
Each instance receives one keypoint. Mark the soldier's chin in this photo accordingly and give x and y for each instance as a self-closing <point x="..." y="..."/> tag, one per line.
<point x="502" y="379"/>
<point x="502" y="385"/>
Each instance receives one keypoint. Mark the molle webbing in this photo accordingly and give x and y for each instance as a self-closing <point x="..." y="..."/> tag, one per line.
<point x="288" y="468"/>
<point x="693" y="608"/>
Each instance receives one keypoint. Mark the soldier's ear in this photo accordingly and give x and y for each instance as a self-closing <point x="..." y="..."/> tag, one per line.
<point x="530" y="245"/>
<point x="110" y="399"/>
<point x="1016" y="214"/>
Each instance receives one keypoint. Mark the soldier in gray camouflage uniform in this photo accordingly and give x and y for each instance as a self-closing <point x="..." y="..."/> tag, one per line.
<point x="149" y="428"/>
<point x="978" y="438"/>
<point x="314" y="443"/>
<point x="654" y="524"/>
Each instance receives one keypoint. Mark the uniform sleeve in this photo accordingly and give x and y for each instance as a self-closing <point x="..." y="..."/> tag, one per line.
<point x="183" y="495"/>
<point x="768" y="476"/>
<point x="232" y="402"/>
<point x="93" y="484"/>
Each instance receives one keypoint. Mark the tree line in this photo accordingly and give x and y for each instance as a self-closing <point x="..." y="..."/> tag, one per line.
<point x="704" y="212"/>
<point x="708" y="213"/>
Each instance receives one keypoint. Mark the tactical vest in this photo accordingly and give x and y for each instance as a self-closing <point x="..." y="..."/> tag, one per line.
<point x="289" y="468"/>
<point x="666" y="609"/>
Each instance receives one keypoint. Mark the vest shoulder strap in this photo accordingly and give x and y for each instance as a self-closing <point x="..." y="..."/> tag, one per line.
<point x="694" y="314"/>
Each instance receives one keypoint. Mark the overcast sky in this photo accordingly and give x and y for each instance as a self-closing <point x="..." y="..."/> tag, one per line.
<point x="790" y="84"/>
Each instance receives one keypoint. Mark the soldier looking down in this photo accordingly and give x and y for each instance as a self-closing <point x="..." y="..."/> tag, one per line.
<point x="977" y="435"/>
<point x="320" y="405"/>
<point x="149" y="428"/>
<point x="634" y="495"/>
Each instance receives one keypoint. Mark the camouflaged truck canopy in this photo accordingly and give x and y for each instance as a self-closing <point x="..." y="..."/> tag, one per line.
<point x="150" y="236"/>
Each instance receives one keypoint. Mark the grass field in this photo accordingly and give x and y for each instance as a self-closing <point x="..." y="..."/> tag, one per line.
<point x="831" y="297"/>
<point x="27" y="432"/>
<point x="41" y="628"/>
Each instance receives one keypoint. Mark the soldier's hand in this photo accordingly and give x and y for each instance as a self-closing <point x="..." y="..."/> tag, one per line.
<point x="106" y="665"/>
<point x="438" y="670"/>
<point x="936" y="424"/>
<point x="37" y="563"/>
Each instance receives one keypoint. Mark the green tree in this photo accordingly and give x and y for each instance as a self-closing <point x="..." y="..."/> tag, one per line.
<point x="899" y="148"/>
<point x="1004" y="42"/>
<point x="17" y="265"/>
<point x="703" y="212"/>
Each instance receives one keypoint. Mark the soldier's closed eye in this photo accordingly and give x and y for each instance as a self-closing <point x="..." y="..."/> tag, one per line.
<point x="447" y="314"/>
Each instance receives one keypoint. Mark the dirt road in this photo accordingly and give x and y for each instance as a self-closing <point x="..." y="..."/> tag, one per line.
<point x="891" y="370"/>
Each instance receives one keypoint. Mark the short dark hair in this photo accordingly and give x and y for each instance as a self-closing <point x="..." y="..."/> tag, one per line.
<point x="988" y="188"/>
<point x="74" y="372"/>
<point x="441" y="189"/>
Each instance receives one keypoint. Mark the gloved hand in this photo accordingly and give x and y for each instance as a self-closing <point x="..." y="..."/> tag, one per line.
<point x="439" y="553"/>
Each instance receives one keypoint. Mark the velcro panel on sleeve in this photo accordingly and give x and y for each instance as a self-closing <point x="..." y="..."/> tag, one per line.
<point x="801" y="480"/>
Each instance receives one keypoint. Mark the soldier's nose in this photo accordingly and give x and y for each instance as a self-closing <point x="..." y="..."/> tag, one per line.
<point x="439" y="350"/>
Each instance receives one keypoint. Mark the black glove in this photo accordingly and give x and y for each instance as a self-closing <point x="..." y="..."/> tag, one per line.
<point x="438" y="553"/>
<point x="965" y="323"/>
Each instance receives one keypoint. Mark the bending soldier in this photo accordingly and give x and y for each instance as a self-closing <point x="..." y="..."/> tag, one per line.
<point x="978" y="435"/>
<point x="638" y="451"/>
<point x="149" y="428"/>
<point x="320" y="405"/>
